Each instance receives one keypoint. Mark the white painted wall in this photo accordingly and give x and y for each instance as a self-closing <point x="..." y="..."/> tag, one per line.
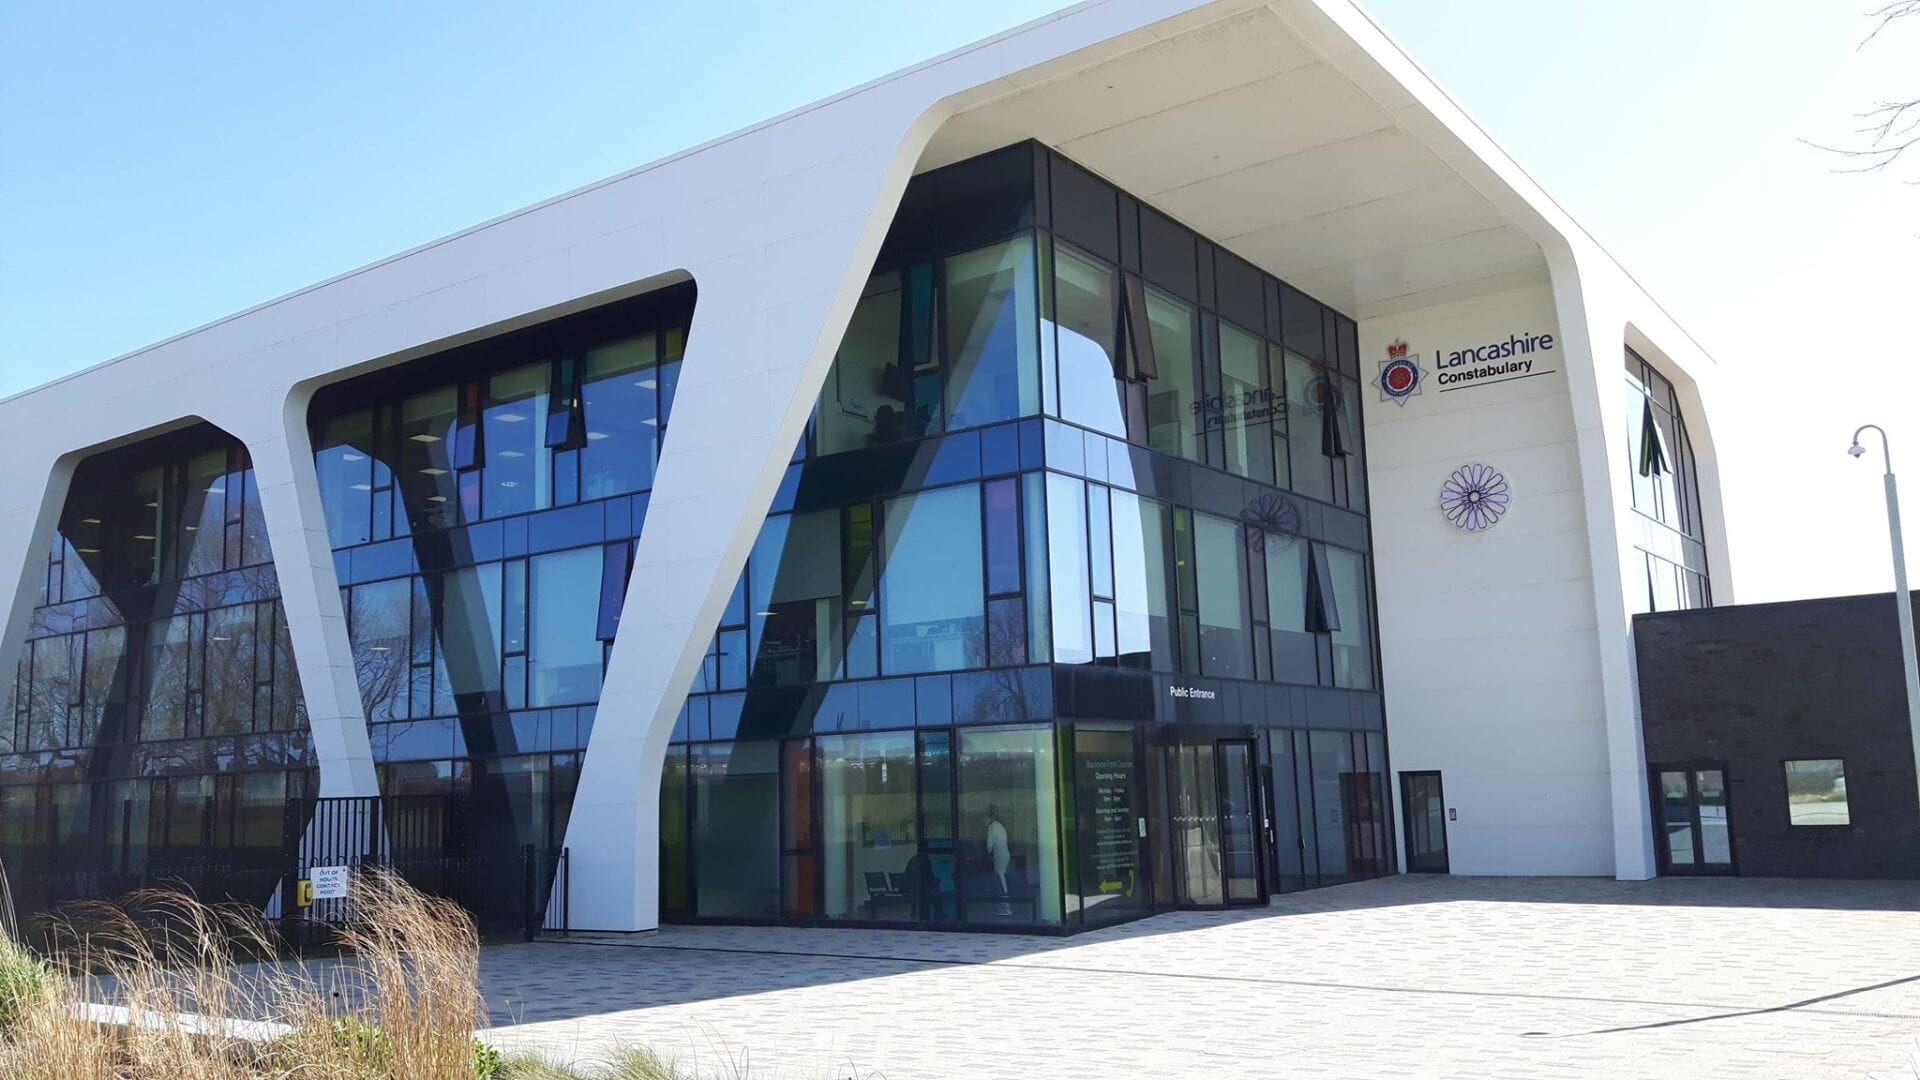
<point x="1489" y="639"/>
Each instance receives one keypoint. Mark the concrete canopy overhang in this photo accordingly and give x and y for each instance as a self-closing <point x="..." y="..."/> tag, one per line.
<point x="1268" y="131"/>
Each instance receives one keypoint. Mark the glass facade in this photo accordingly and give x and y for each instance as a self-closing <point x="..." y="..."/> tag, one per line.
<point x="1062" y="614"/>
<point x="155" y="721"/>
<point x="1073" y="553"/>
<point x="483" y="505"/>
<point x="1668" y="529"/>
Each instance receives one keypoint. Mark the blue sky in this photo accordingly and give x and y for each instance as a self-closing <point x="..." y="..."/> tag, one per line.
<point x="164" y="165"/>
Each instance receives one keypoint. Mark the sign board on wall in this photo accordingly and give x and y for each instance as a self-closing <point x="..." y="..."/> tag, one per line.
<point x="330" y="882"/>
<point x="1522" y="355"/>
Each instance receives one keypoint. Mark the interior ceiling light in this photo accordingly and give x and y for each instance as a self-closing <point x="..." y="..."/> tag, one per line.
<point x="424" y="437"/>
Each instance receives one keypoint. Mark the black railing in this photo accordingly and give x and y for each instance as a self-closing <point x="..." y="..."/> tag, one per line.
<point x="431" y="842"/>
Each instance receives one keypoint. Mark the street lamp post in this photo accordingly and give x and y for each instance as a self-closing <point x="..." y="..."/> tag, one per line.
<point x="1903" y="600"/>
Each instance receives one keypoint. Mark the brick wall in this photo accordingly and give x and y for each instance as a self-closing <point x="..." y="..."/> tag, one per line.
<point x="1754" y="685"/>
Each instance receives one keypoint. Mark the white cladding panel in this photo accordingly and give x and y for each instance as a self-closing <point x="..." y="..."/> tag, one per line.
<point x="1488" y="639"/>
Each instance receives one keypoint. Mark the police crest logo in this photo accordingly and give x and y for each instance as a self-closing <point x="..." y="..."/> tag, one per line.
<point x="1400" y="375"/>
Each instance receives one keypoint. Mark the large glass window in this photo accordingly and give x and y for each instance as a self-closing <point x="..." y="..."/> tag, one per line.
<point x="203" y="517"/>
<point x="620" y="394"/>
<point x="865" y="397"/>
<point x="1143" y="609"/>
<point x="563" y="649"/>
<point x="992" y="339"/>
<point x="1309" y="438"/>
<point x="471" y="626"/>
<point x="429" y="492"/>
<point x="229" y="693"/>
<point x="796" y="611"/>
<point x="1665" y="487"/>
<point x="1353" y="641"/>
<point x="736" y="830"/>
<point x="1248" y="408"/>
<point x="1294" y="843"/>
<point x="1086" y="338"/>
<point x="932" y="602"/>
<point x="1067" y="549"/>
<point x="1171" y="398"/>
<point x="518" y="474"/>
<point x="1333" y="793"/>
<point x="1225" y="643"/>
<point x="676" y="870"/>
<point x="381" y="625"/>
<point x="344" y="464"/>
<point x="1009" y="831"/>
<point x="871" y="863"/>
<point x="1295" y="652"/>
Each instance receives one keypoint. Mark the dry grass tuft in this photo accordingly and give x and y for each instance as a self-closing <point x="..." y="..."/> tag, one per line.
<point x="203" y="995"/>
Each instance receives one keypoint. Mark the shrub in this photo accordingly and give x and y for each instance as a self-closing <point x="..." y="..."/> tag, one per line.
<point x="25" y="981"/>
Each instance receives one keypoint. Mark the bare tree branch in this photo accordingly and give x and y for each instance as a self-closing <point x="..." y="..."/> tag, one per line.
<point x="1890" y="128"/>
<point x="1900" y="9"/>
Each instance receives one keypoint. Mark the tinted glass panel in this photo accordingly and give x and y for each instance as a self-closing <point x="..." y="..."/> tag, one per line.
<point x="932" y="603"/>
<point x="517" y="471"/>
<point x="1307" y="389"/>
<point x="1171" y="395"/>
<point x="736" y="830"/>
<point x="563" y="654"/>
<point x="620" y="396"/>
<point x="1353" y="642"/>
<point x="872" y="865"/>
<point x="1143" y="609"/>
<point x="1086" y="324"/>
<point x="865" y="397"/>
<point x="1009" y="832"/>
<point x="992" y="337"/>
<point x="795" y="604"/>
<point x="1225" y="643"/>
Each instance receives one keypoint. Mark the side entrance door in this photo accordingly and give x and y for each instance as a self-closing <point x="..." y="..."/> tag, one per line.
<point x="1691" y="827"/>
<point x="1423" y="806"/>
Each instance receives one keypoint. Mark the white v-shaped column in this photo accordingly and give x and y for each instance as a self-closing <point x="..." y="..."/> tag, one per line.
<point x="766" y="323"/>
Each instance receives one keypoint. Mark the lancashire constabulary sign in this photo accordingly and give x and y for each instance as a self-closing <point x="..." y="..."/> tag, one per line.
<point x="1520" y="356"/>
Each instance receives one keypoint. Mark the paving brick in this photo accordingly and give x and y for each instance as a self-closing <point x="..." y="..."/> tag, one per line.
<point x="1404" y="977"/>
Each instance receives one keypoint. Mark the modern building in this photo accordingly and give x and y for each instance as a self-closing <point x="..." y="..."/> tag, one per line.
<point x="1161" y="456"/>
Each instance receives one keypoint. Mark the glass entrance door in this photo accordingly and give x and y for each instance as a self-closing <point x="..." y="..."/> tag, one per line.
<point x="1213" y="832"/>
<point x="1195" y="832"/>
<point x="1239" y="831"/>
<point x="1424" y="807"/>
<point x="1691" y="827"/>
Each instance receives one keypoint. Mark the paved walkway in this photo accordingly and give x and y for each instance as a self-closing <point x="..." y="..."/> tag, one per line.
<point x="1403" y="977"/>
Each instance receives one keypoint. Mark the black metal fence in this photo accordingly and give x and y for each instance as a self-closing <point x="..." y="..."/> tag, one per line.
<point x="434" y="843"/>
